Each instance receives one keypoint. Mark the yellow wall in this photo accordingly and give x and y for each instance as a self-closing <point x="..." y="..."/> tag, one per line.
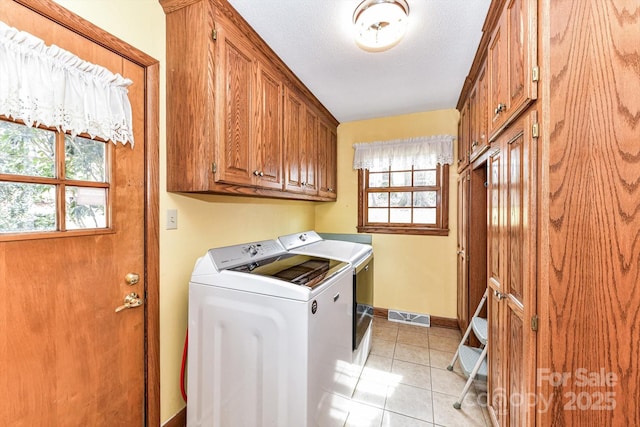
<point x="412" y="273"/>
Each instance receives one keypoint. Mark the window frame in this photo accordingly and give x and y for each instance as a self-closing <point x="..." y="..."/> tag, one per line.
<point x="441" y="228"/>
<point x="61" y="182"/>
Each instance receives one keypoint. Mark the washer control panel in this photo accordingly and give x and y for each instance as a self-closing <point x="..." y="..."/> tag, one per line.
<point x="233" y="256"/>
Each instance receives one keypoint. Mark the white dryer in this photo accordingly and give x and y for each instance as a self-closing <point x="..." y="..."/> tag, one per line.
<point x="360" y="256"/>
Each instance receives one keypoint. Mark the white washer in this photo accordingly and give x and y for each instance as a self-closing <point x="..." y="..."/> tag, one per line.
<point x="360" y="256"/>
<point x="264" y="346"/>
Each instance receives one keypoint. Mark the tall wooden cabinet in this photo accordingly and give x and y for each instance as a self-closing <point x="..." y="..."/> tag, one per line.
<point x="230" y="108"/>
<point x="562" y="211"/>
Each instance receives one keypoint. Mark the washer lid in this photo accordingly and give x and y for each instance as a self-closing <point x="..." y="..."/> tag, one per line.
<point x="303" y="270"/>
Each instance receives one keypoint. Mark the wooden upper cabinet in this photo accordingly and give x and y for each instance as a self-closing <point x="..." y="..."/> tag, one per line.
<point x="479" y="138"/>
<point x="463" y="138"/>
<point x="301" y="130"/>
<point x="232" y="128"/>
<point x="512" y="63"/>
<point x="234" y="111"/>
<point x="327" y="160"/>
<point x="267" y="140"/>
<point x="250" y="113"/>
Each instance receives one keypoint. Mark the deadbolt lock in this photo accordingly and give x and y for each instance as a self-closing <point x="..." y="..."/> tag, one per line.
<point x="132" y="278"/>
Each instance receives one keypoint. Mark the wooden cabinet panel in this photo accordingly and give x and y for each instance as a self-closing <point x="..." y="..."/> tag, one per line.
<point x="512" y="59"/>
<point x="495" y="357"/>
<point x="479" y="116"/>
<point x="511" y="261"/>
<point x="268" y="129"/>
<point x="463" y="138"/>
<point x="236" y="80"/>
<point x="464" y="181"/>
<point x="301" y="148"/>
<point x="327" y="160"/>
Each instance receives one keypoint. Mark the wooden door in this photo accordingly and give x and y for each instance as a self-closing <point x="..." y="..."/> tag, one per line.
<point x="68" y="358"/>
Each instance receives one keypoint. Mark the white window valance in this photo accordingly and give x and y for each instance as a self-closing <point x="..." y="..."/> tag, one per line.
<point x="423" y="151"/>
<point x="47" y="85"/>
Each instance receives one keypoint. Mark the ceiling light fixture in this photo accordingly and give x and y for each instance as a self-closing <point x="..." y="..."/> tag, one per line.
<point x="380" y="24"/>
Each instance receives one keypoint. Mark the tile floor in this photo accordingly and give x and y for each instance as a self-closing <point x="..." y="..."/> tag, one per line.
<point x="405" y="382"/>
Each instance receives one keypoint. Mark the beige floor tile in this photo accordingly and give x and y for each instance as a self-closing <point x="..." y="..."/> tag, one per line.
<point x="362" y="415"/>
<point x="412" y="336"/>
<point x="414" y="328"/>
<point x="411" y="401"/>
<point x="442" y="343"/>
<point x="451" y="383"/>
<point x="445" y="332"/>
<point x="441" y="359"/>
<point x="469" y="415"/>
<point x="371" y="393"/>
<point x="378" y="369"/>
<point x="380" y="347"/>
<point x="412" y="353"/>
<point x="387" y="332"/>
<point x="391" y="419"/>
<point x="412" y="373"/>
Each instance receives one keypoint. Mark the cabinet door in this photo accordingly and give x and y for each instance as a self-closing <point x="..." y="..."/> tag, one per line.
<point x="294" y="140"/>
<point x="463" y="138"/>
<point x="301" y="129"/>
<point x="521" y="278"/>
<point x="235" y="91"/>
<point x="463" y="227"/>
<point x="309" y="153"/>
<point x="495" y="268"/>
<point x="512" y="57"/>
<point x="511" y="263"/>
<point x="327" y="159"/>
<point x="479" y="137"/>
<point x="267" y="136"/>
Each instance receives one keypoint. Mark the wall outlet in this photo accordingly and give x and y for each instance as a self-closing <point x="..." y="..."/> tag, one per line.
<point x="172" y="219"/>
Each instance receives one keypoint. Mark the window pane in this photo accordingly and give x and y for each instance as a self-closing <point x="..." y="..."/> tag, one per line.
<point x="86" y="207"/>
<point x="27" y="207"/>
<point x="401" y="179"/>
<point x="402" y="216"/>
<point x="424" y="178"/>
<point x="378" y="180"/>
<point x="26" y="151"/>
<point x="425" y="199"/>
<point x="424" y="216"/>
<point x="85" y="159"/>
<point x="401" y="199"/>
<point x="378" y="200"/>
<point x="378" y="215"/>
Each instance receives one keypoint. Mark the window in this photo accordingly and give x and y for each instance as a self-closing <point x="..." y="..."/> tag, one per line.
<point x="412" y="200"/>
<point x="51" y="181"/>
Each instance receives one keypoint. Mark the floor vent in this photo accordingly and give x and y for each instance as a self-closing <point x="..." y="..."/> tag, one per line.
<point x="409" y="318"/>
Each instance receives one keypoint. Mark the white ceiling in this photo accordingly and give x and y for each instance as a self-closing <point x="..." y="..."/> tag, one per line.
<point x="424" y="72"/>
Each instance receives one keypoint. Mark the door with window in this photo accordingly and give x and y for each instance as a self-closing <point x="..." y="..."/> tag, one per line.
<point x="72" y="248"/>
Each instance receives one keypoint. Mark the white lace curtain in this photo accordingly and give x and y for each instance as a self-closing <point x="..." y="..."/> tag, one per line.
<point x="47" y="85"/>
<point x="423" y="151"/>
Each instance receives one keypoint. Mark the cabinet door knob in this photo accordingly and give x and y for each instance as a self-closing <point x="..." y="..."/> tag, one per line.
<point x="500" y="108"/>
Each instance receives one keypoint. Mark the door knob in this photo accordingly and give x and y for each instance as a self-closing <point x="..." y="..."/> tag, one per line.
<point x="130" y="301"/>
<point x="132" y="278"/>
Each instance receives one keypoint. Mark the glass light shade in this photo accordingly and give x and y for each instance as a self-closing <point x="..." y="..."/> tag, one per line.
<point x="380" y="24"/>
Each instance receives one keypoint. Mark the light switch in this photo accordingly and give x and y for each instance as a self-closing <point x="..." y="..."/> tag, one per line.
<point x="172" y="219"/>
